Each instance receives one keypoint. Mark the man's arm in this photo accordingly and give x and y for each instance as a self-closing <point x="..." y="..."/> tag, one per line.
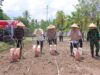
<point x="14" y="36"/>
<point x="98" y="35"/>
<point x="88" y="36"/>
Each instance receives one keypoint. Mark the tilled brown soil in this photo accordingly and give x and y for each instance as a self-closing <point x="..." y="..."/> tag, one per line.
<point x="63" y="64"/>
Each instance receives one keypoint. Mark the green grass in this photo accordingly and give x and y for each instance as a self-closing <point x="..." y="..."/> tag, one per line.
<point x="5" y="46"/>
<point x="28" y="39"/>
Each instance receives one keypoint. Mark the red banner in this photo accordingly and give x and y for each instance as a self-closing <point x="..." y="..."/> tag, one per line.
<point x="3" y="24"/>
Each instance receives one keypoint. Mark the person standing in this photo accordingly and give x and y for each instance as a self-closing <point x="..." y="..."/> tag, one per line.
<point x="61" y="36"/>
<point x="75" y="36"/>
<point x="52" y="39"/>
<point x="81" y="39"/>
<point x="93" y="38"/>
<point x="19" y="35"/>
<point x="39" y="37"/>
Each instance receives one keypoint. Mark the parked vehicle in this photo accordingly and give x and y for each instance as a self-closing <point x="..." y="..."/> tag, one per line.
<point x="7" y="29"/>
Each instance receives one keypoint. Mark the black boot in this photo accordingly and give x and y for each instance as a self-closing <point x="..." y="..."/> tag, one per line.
<point x="97" y="55"/>
<point x="71" y="49"/>
<point x="92" y="53"/>
<point x="71" y="53"/>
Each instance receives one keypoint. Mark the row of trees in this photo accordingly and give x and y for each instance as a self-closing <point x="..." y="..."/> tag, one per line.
<point x="3" y="16"/>
<point x="86" y="12"/>
<point x="31" y="23"/>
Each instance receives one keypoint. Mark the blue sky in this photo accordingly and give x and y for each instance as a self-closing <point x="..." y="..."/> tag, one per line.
<point x="37" y="8"/>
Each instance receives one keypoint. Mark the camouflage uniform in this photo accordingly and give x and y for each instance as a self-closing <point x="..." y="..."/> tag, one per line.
<point x="93" y="37"/>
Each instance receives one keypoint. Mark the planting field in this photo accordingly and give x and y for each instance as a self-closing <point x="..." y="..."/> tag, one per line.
<point x="46" y="64"/>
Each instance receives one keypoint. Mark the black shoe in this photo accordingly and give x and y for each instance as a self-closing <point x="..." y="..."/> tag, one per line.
<point x="92" y="55"/>
<point x="97" y="55"/>
<point x="72" y="55"/>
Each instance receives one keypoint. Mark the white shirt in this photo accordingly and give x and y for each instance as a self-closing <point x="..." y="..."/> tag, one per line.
<point x="69" y="34"/>
<point x="39" y="36"/>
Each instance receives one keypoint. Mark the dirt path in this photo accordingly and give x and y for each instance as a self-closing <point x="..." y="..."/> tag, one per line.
<point x="62" y="64"/>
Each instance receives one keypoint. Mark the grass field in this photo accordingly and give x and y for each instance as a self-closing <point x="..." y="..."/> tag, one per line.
<point x="5" y="46"/>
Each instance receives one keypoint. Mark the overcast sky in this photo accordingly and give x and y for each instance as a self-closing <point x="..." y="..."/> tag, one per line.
<point x="37" y="8"/>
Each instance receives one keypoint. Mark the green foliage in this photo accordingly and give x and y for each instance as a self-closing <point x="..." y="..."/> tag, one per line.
<point x="22" y="19"/>
<point x="33" y="25"/>
<point x="60" y="19"/>
<point x="44" y="24"/>
<point x="86" y="13"/>
<point x="4" y="46"/>
<point x="3" y="16"/>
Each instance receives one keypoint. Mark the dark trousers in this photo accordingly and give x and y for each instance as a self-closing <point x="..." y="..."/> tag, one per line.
<point x="80" y="43"/>
<point x="19" y="45"/>
<point x="41" y="44"/>
<point x="52" y="41"/>
<point x="73" y="45"/>
<point x="61" y="38"/>
<point x="92" y="44"/>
